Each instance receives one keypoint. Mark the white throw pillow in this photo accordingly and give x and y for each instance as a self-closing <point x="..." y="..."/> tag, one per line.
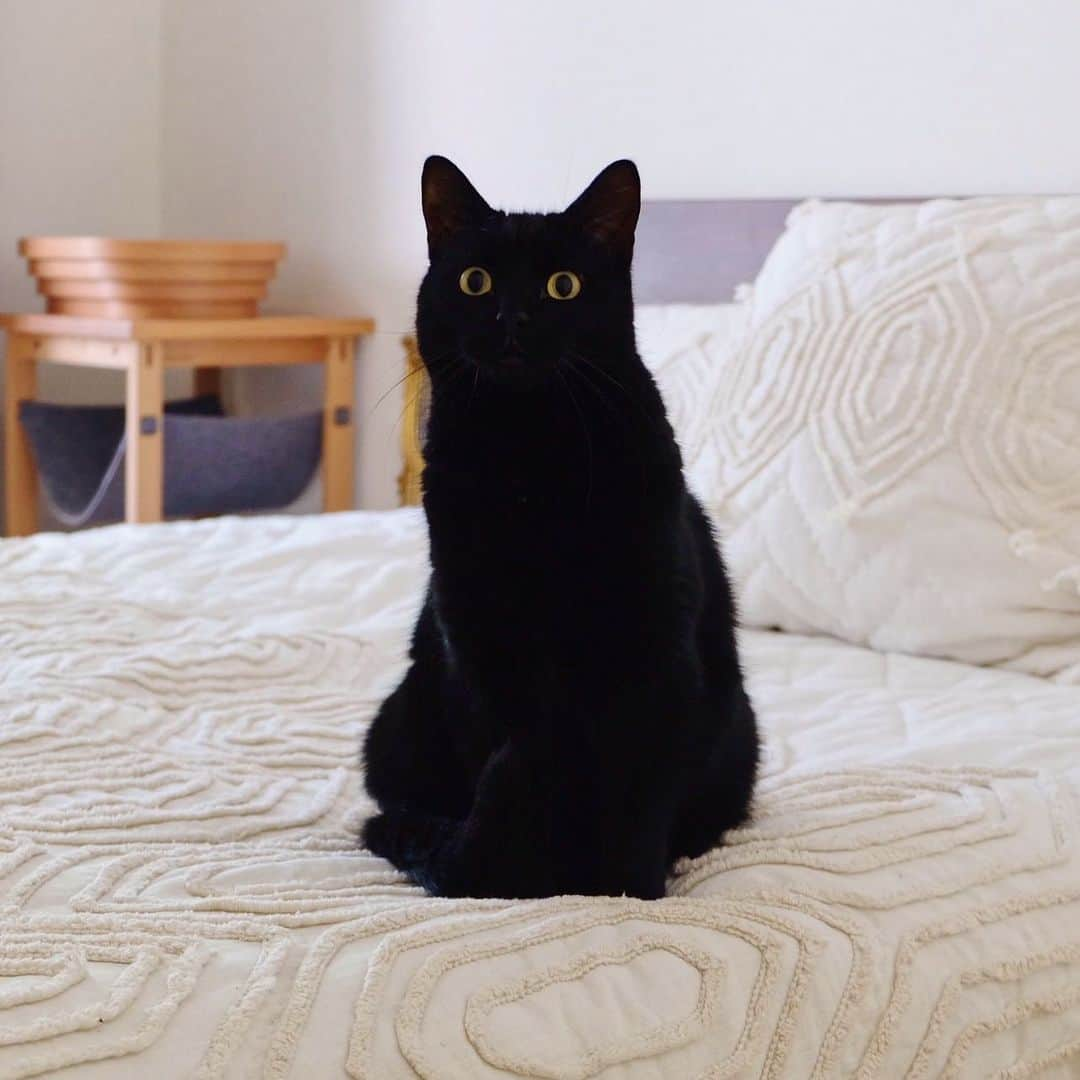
<point x="682" y="344"/>
<point x="892" y="451"/>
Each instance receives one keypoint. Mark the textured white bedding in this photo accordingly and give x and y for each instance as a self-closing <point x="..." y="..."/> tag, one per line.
<point x="180" y="895"/>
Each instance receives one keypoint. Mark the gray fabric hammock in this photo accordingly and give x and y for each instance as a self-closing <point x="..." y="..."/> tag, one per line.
<point x="214" y="464"/>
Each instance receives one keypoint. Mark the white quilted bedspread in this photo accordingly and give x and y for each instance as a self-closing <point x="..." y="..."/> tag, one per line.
<point x="180" y="894"/>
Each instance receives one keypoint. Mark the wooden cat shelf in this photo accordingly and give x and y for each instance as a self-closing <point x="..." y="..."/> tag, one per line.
<point x="144" y="348"/>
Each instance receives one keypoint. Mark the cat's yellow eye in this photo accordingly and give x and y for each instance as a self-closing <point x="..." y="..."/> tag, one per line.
<point x="563" y="285"/>
<point x="475" y="281"/>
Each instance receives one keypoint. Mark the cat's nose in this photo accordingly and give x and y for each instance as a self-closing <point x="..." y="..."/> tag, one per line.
<point x="512" y="323"/>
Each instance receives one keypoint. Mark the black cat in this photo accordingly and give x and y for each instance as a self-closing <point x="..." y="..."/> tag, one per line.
<point x="574" y="718"/>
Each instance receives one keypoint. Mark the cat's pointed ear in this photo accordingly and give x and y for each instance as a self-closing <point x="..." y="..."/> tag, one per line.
<point x="607" y="210"/>
<point x="450" y="202"/>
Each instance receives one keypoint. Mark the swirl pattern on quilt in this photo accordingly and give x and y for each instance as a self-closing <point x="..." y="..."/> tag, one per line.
<point x="181" y="893"/>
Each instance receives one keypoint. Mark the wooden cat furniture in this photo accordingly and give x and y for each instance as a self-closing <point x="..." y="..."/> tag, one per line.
<point x="143" y="307"/>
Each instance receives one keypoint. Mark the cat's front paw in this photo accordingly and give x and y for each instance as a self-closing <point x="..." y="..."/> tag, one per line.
<point x="404" y="837"/>
<point x="377" y="836"/>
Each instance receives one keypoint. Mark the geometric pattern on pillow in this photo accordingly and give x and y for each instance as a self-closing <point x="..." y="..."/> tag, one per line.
<point x="1033" y="437"/>
<point x="682" y="344"/>
<point x="892" y="446"/>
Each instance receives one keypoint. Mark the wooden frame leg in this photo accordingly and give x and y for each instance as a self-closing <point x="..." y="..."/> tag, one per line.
<point x="20" y="474"/>
<point x="339" y="425"/>
<point x="206" y="380"/>
<point x="144" y="461"/>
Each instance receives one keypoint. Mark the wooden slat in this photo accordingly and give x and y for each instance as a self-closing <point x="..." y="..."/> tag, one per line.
<point x="267" y="327"/>
<point x="258" y="353"/>
<point x="121" y="270"/>
<point x="281" y="326"/>
<point x="339" y="427"/>
<point x="145" y="460"/>
<point x="154" y="309"/>
<point x="181" y="291"/>
<point x="83" y="352"/>
<point x="103" y="247"/>
<point x="20" y="475"/>
<point x="69" y="326"/>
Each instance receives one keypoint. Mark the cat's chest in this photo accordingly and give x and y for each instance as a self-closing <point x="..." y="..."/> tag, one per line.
<point x="520" y="534"/>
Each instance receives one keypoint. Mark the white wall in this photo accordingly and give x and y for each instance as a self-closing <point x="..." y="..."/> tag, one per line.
<point x="79" y="141"/>
<point x="79" y="136"/>
<point x="294" y="120"/>
<point x="311" y="120"/>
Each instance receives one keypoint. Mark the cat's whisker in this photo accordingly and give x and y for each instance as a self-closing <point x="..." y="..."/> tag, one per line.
<point x="593" y="366"/>
<point x="409" y="403"/>
<point x="597" y="392"/>
<point x="389" y="390"/>
<point x="405" y="408"/>
<point x="429" y="365"/>
<point x="634" y="446"/>
<point x="451" y="380"/>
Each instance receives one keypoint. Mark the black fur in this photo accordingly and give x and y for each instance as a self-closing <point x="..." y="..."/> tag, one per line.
<point x="574" y="718"/>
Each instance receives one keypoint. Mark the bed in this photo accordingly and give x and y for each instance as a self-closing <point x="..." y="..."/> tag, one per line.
<point x="182" y="895"/>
